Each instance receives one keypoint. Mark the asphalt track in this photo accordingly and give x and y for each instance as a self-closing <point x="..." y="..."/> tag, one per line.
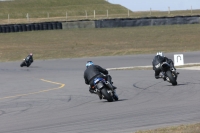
<point x="51" y="97"/>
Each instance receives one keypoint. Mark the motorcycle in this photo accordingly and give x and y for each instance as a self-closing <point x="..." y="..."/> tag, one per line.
<point x="104" y="88"/>
<point x="26" y="62"/>
<point x="168" y="74"/>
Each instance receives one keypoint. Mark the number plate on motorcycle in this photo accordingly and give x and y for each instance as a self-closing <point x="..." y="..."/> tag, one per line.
<point x="99" y="85"/>
<point x="96" y="80"/>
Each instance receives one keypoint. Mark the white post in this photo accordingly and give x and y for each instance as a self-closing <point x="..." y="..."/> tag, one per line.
<point x="107" y="13"/>
<point x="150" y="11"/>
<point x="128" y="13"/>
<point x="47" y="15"/>
<point x="86" y="14"/>
<point x="191" y="9"/>
<point x="8" y="18"/>
<point x="94" y="14"/>
<point x="66" y="15"/>
<point x="27" y="16"/>
<point x="168" y="10"/>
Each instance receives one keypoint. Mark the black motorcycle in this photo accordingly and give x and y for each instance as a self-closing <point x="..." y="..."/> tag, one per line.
<point x="167" y="73"/>
<point x="104" y="88"/>
<point x="26" y="62"/>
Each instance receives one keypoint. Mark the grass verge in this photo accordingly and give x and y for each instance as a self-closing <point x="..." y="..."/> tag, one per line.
<point x="99" y="42"/>
<point x="192" y="128"/>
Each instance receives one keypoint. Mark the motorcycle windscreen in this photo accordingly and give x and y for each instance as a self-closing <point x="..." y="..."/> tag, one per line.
<point x="99" y="85"/>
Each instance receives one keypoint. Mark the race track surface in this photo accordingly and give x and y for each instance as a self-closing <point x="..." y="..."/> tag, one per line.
<point x="50" y="97"/>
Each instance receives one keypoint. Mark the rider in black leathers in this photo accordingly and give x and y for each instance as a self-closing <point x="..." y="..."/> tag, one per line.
<point x="29" y="58"/>
<point x="161" y="58"/>
<point x="93" y="71"/>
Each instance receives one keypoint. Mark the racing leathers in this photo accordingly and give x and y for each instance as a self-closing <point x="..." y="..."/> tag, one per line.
<point x="93" y="72"/>
<point x="29" y="58"/>
<point x="160" y="59"/>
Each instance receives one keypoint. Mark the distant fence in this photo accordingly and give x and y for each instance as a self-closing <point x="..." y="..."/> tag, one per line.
<point x="16" y="18"/>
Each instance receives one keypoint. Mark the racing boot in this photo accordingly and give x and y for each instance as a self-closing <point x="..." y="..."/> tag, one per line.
<point x="164" y="77"/>
<point x="114" y="87"/>
<point x="109" y="78"/>
<point x="100" y="96"/>
<point x="92" y="91"/>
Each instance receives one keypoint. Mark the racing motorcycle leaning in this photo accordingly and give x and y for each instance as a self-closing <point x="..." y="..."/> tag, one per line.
<point x="167" y="73"/>
<point x="26" y="62"/>
<point x="105" y="90"/>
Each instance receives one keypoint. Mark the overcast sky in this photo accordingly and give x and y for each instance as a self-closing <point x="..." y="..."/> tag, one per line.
<point x="162" y="5"/>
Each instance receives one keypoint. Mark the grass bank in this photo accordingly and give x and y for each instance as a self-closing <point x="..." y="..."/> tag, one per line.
<point x="192" y="128"/>
<point x="99" y="42"/>
<point x="55" y="10"/>
<point x="29" y="11"/>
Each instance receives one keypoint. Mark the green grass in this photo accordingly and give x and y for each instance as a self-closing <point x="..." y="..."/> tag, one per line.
<point x="99" y="42"/>
<point x="192" y="128"/>
<point x="55" y="10"/>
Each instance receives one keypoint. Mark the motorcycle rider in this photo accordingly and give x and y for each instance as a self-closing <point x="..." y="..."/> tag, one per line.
<point x="30" y="58"/>
<point x="93" y="71"/>
<point x="161" y="57"/>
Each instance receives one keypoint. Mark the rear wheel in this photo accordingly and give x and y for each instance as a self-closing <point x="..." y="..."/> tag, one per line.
<point x="171" y="77"/>
<point x="106" y="95"/>
<point x="115" y="96"/>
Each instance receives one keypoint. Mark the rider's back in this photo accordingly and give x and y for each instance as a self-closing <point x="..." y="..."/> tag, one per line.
<point x="94" y="70"/>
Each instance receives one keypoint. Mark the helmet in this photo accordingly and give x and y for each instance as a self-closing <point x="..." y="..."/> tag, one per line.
<point x="31" y="54"/>
<point x="160" y="53"/>
<point x="89" y="63"/>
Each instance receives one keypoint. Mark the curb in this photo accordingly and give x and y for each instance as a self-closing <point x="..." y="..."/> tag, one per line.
<point x="148" y="67"/>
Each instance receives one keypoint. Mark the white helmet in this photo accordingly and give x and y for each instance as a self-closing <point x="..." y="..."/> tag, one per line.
<point x="159" y="53"/>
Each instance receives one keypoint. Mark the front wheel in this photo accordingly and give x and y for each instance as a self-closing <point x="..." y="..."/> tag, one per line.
<point x="22" y="64"/>
<point x="171" y="77"/>
<point x="106" y="95"/>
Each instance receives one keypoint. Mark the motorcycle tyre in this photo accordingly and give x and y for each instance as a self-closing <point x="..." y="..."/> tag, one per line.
<point x="22" y="64"/>
<point x="171" y="78"/>
<point x="115" y="97"/>
<point x="106" y="95"/>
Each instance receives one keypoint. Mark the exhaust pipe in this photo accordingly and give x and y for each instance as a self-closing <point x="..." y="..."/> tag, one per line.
<point x="109" y="85"/>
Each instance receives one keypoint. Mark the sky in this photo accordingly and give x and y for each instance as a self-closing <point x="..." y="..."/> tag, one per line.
<point x="161" y="5"/>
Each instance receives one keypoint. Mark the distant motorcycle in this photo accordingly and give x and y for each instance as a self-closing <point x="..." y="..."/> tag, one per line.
<point x="167" y="73"/>
<point x="26" y="62"/>
<point x="105" y="89"/>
